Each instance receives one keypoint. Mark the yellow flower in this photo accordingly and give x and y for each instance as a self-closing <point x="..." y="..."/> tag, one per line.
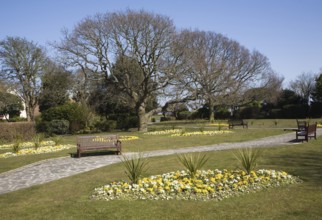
<point x="204" y="191"/>
<point x="128" y="138"/>
<point x="210" y="189"/>
<point x="218" y="176"/>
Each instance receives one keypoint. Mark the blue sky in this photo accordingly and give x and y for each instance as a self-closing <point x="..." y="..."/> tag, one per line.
<point x="288" y="32"/>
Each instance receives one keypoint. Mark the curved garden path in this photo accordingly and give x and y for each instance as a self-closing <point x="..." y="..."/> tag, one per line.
<point x="57" y="168"/>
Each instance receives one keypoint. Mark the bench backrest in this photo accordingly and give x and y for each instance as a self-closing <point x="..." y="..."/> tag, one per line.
<point x="311" y="128"/>
<point x="301" y="125"/>
<point x="236" y="121"/>
<point x="95" y="141"/>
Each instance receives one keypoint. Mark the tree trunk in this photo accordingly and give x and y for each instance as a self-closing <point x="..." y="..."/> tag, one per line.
<point x="27" y="113"/>
<point x="30" y="112"/>
<point x="143" y="125"/>
<point x="211" y="110"/>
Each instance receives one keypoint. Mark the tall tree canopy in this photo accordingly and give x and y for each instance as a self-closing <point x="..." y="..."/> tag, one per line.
<point x="56" y="83"/>
<point x="317" y="93"/>
<point x="22" y="64"/>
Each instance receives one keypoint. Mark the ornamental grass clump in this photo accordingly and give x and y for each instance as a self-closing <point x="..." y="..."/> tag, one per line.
<point x="134" y="167"/>
<point x="202" y="128"/>
<point x="37" y="139"/>
<point x="57" y="140"/>
<point x="16" y="146"/>
<point x="248" y="158"/>
<point x="193" y="162"/>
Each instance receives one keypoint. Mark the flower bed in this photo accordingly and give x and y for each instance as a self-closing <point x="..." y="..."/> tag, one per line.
<point x="179" y="132"/>
<point x="27" y="144"/>
<point x="128" y="138"/>
<point x="196" y="133"/>
<point x="173" y="131"/>
<point x="207" y="185"/>
<point x="40" y="150"/>
<point x="219" y="124"/>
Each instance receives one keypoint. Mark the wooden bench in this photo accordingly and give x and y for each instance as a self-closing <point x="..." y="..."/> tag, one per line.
<point x="307" y="132"/>
<point x="95" y="143"/>
<point x="237" y="122"/>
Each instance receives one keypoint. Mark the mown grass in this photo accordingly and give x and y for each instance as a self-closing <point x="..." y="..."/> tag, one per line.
<point x="69" y="198"/>
<point x="252" y="123"/>
<point x="144" y="143"/>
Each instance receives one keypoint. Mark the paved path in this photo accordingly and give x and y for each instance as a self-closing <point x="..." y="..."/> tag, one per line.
<point x="57" y="168"/>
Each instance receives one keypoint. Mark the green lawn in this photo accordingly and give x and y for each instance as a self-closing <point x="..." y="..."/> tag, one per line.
<point x="69" y="198"/>
<point x="145" y="143"/>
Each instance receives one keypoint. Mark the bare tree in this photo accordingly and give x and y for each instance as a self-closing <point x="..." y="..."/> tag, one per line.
<point x="87" y="49"/>
<point x="267" y="91"/>
<point x="145" y="38"/>
<point x="22" y="64"/>
<point x="304" y="86"/>
<point x="220" y="69"/>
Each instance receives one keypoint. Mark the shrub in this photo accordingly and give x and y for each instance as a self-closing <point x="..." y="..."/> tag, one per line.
<point x="42" y="126"/>
<point x="125" y="121"/>
<point x="72" y="112"/>
<point x="168" y="118"/>
<point x="184" y="115"/>
<point x="133" y="122"/>
<point x="58" y="127"/>
<point x="105" y="125"/>
<point x="10" y="131"/>
<point x="193" y="162"/>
